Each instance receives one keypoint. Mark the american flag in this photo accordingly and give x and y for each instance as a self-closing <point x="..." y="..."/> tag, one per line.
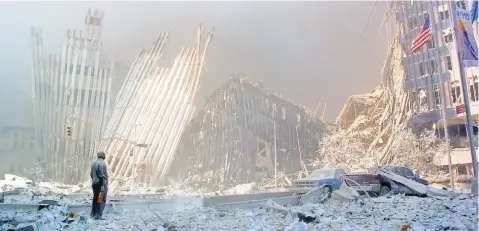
<point x="424" y="36"/>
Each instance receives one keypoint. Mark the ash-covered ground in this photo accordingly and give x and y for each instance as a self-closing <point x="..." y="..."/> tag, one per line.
<point x="381" y="213"/>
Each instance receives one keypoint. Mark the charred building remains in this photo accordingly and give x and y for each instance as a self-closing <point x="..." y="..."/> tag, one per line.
<point x="232" y="139"/>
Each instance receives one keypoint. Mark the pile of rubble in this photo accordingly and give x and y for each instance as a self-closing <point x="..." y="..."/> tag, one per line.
<point x="383" y="213"/>
<point x="20" y="185"/>
<point x="376" y="129"/>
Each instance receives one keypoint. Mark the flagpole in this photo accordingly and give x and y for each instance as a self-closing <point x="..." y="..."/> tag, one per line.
<point x="439" y="63"/>
<point x="465" y="93"/>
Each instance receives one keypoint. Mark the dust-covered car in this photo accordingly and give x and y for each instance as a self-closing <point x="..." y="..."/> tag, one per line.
<point x="372" y="182"/>
<point x="330" y="177"/>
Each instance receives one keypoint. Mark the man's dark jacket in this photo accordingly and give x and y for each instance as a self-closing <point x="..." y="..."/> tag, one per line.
<point x="99" y="174"/>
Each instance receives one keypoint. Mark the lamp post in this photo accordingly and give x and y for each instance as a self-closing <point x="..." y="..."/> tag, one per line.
<point x="275" y="156"/>
<point x="465" y="92"/>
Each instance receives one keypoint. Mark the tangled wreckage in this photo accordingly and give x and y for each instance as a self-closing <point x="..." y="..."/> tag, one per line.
<point x="71" y="99"/>
<point x="241" y="133"/>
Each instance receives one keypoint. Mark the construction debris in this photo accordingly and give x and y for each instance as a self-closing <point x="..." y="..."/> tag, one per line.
<point x="152" y="109"/>
<point x="316" y="195"/>
<point x="273" y="206"/>
<point x="15" y="185"/>
<point x="420" y="189"/>
<point x="381" y="213"/>
<point x="345" y="193"/>
<point x="242" y="133"/>
<point x="375" y="128"/>
<point x="342" y="211"/>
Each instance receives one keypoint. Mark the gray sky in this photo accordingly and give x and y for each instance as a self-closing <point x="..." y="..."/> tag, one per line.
<point x="306" y="51"/>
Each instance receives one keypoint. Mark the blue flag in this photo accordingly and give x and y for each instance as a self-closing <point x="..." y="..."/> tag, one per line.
<point x="474" y="11"/>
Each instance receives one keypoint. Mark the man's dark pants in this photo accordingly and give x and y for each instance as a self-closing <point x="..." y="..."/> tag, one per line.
<point x="97" y="209"/>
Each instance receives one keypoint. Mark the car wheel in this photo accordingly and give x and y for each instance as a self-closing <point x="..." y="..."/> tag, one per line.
<point x="384" y="190"/>
<point x="327" y="191"/>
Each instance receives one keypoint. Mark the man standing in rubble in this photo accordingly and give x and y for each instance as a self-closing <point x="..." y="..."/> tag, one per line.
<point x="99" y="178"/>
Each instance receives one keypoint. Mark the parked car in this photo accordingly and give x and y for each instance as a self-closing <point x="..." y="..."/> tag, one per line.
<point x="373" y="183"/>
<point x="330" y="177"/>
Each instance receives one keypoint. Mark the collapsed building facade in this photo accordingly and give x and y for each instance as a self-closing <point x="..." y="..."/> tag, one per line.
<point x="71" y="98"/>
<point x="151" y="112"/>
<point x="394" y="124"/>
<point x="241" y="132"/>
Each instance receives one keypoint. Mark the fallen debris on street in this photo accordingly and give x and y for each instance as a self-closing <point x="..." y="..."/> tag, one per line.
<point x="381" y="213"/>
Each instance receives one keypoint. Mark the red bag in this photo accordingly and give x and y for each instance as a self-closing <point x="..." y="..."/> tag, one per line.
<point x="100" y="197"/>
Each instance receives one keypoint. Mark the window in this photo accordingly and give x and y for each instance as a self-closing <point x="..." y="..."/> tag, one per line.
<point x="340" y="172"/>
<point x="423" y="68"/>
<point x="437" y="96"/>
<point x="472" y="93"/>
<point x="443" y="15"/>
<point x="474" y="89"/>
<point x="448" y="38"/>
<point x="432" y="67"/>
<point x="456" y="94"/>
<point x="448" y="62"/>
<point x="461" y="170"/>
<point x="412" y="100"/>
<point x="428" y="67"/>
<point x="423" y="101"/>
<point x="405" y="171"/>
<point x="412" y="23"/>
<point x="420" y="20"/>
<point x="461" y="4"/>
<point x="403" y="47"/>
<point x="430" y="45"/>
<point x="413" y="35"/>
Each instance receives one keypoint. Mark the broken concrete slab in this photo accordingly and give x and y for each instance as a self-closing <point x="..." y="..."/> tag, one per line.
<point x="419" y="188"/>
<point x="291" y="200"/>
<point x="228" y="201"/>
<point x="345" y="193"/>
<point x="22" y="206"/>
<point x="214" y="200"/>
<point x="164" y="205"/>
<point x="273" y="206"/>
<point x="316" y="195"/>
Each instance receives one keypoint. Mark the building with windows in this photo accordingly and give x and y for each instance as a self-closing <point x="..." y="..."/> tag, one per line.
<point x="436" y="64"/>
<point x="18" y="149"/>
<point x="17" y="138"/>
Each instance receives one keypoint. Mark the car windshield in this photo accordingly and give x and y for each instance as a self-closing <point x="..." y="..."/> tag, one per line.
<point x="403" y="171"/>
<point x="406" y="171"/>
<point x="323" y="173"/>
